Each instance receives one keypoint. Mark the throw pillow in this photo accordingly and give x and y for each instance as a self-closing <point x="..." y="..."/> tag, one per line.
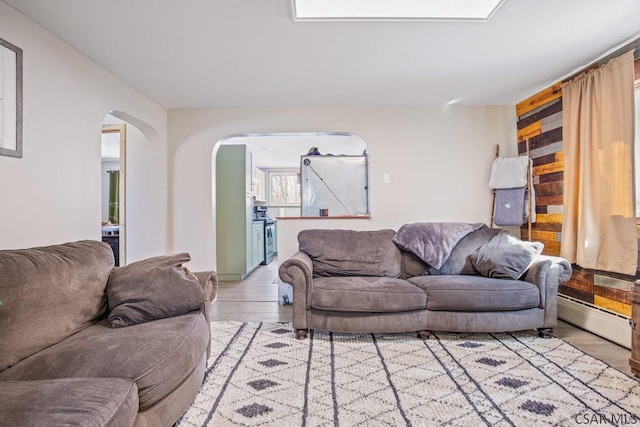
<point x="459" y="261"/>
<point x="505" y="256"/>
<point x="154" y="288"/>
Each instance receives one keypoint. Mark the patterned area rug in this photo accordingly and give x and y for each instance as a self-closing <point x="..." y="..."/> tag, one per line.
<point x="260" y="375"/>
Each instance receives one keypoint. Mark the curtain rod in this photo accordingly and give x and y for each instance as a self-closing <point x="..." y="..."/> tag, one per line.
<point x="633" y="45"/>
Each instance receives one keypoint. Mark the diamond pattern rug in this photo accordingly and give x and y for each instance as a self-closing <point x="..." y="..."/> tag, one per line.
<point x="260" y="375"/>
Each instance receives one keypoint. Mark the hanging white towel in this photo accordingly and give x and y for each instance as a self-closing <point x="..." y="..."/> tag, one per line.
<point x="509" y="172"/>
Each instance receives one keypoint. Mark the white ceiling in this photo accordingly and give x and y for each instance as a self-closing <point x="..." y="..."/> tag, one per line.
<point x="241" y="53"/>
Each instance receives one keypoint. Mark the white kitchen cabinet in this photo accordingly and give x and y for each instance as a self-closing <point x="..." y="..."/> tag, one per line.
<point x="259" y="184"/>
<point x="258" y="243"/>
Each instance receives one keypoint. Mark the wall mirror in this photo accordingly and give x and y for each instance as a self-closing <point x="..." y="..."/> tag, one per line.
<point x="10" y="99"/>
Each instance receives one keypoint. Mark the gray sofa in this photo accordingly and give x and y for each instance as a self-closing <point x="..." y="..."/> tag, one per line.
<point x="84" y="343"/>
<point x="362" y="281"/>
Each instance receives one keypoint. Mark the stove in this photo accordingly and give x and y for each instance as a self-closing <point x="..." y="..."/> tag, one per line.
<point x="260" y="214"/>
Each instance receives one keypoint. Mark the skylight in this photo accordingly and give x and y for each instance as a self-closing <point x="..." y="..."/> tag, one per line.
<point x="395" y="10"/>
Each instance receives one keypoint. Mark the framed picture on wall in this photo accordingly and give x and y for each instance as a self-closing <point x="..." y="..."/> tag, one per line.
<point x="10" y="99"/>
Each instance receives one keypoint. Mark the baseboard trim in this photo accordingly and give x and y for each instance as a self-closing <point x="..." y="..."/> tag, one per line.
<point x="607" y="324"/>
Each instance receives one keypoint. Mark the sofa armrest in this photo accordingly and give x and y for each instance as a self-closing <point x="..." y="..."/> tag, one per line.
<point x="548" y="273"/>
<point x="209" y="282"/>
<point x="298" y="272"/>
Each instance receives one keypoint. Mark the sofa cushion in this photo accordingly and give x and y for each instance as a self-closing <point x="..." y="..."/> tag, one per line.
<point x="366" y="294"/>
<point x="351" y="253"/>
<point x="151" y="289"/>
<point x="505" y="256"/>
<point x="459" y="261"/>
<point x="476" y="293"/>
<point x="69" y="401"/>
<point x="157" y="355"/>
<point x="48" y="294"/>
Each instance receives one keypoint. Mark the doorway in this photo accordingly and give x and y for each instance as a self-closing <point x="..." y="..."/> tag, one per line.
<point x="256" y="179"/>
<point x="113" y="177"/>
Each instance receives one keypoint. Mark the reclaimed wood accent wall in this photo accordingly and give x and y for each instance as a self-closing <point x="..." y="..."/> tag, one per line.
<point x="540" y="121"/>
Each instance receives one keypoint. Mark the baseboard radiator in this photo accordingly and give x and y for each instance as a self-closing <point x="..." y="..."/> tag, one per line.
<point x="608" y="324"/>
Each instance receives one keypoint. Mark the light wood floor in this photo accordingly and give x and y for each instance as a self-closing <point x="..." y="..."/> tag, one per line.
<point x="256" y="299"/>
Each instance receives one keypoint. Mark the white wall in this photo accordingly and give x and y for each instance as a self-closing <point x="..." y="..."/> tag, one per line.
<point x="53" y="193"/>
<point x="146" y="224"/>
<point x="438" y="158"/>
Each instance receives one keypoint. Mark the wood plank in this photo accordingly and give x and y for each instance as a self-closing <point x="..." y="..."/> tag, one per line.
<point x="549" y="226"/>
<point x="617" y="295"/>
<point x="543" y="160"/>
<point x="552" y="122"/>
<point x="580" y="285"/>
<point x="605" y="273"/>
<point x="618" y="307"/>
<point x="548" y="110"/>
<point x="555" y="209"/>
<point x="549" y="200"/>
<point x="548" y="189"/>
<point x="555" y="218"/>
<point x="546" y="150"/>
<point x="560" y="156"/>
<point x="613" y="283"/>
<point x="581" y="295"/>
<point x="534" y="129"/>
<point x="548" y="168"/>
<point x="552" y="177"/>
<point x="546" y="138"/>
<point x="579" y="273"/>
<point x="544" y="235"/>
<point x="539" y="99"/>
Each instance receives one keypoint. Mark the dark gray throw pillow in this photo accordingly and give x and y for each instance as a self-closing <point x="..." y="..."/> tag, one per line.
<point x="505" y="256"/>
<point x="154" y="288"/>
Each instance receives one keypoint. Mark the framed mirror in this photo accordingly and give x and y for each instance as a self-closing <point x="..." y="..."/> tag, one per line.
<point x="10" y="99"/>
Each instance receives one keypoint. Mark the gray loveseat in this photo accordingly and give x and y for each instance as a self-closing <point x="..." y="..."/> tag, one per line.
<point x="84" y="343"/>
<point x="362" y="281"/>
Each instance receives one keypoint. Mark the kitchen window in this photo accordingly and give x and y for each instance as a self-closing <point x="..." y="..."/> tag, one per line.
<point x="284" y="187"/>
